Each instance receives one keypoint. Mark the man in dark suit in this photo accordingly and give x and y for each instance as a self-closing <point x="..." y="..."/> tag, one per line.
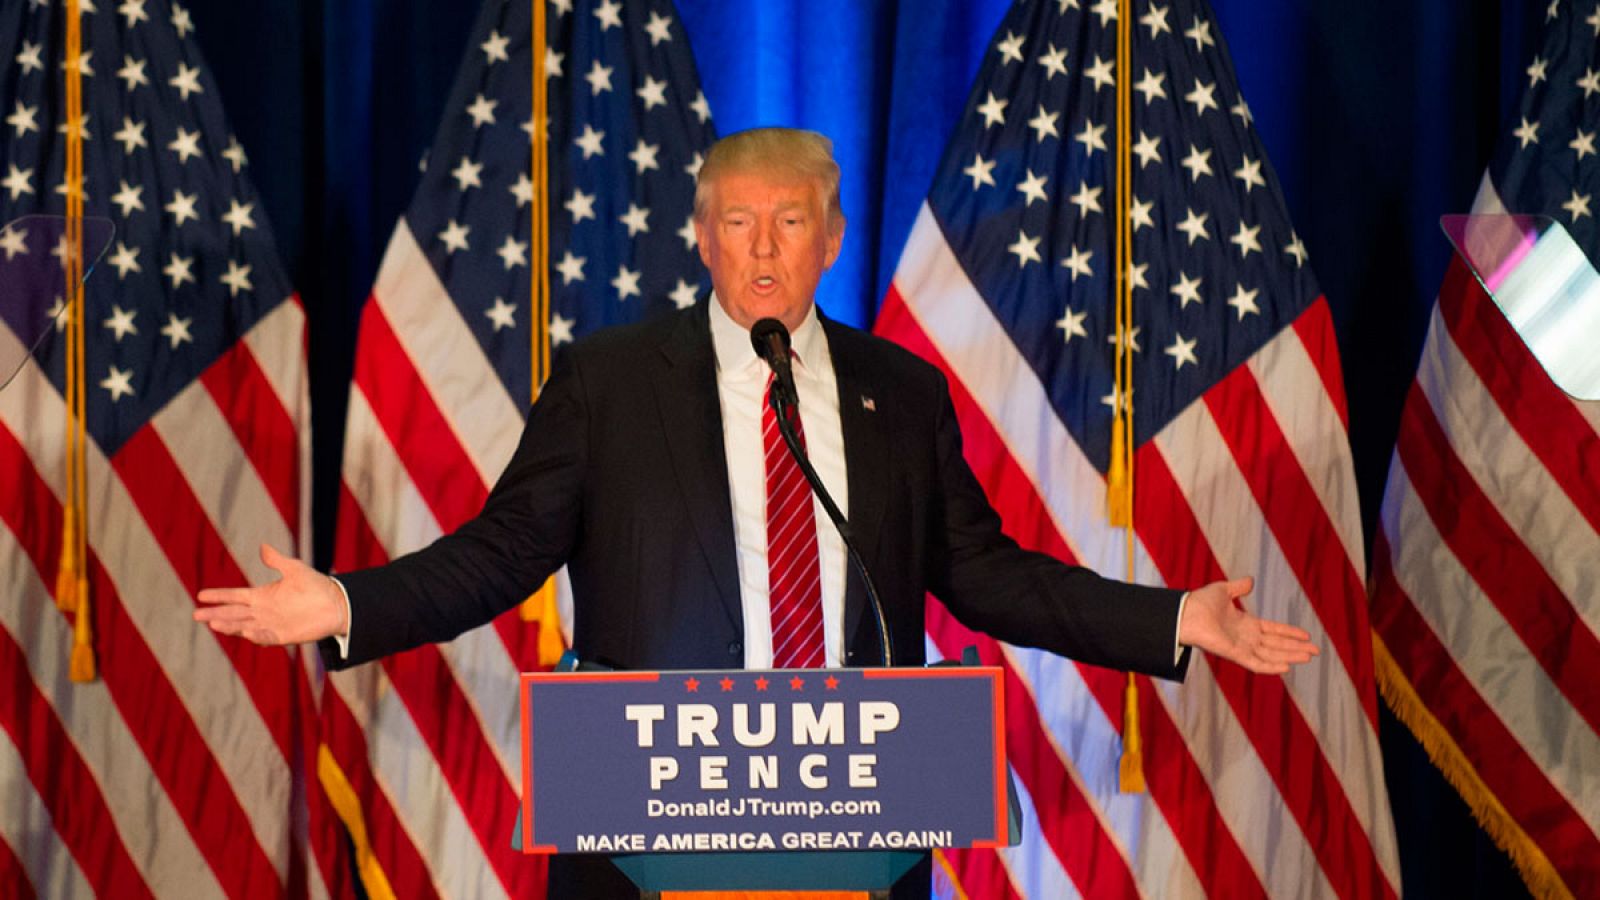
<point x="642" y="468"/>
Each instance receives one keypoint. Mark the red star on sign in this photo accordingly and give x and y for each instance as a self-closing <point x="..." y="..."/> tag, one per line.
<point x="692" y="686"/>
<point x="796" y="683"/>
<point x="831" y="683"/>
<point x="727" y="684"/>
<point x="761" y="684"/>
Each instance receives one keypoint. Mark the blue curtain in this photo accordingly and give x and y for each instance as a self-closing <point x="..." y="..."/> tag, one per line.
<point x="1378" y="116"/>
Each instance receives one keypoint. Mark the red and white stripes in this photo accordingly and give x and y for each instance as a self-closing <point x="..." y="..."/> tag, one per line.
<point x="427" y="738"/>
<point x="1258" y="786"/>
<point x="177" y="770"/>
<point x="1486" y="593"/>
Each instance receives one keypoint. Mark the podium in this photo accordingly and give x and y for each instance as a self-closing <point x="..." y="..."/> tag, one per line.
<point x="778" y="780"/>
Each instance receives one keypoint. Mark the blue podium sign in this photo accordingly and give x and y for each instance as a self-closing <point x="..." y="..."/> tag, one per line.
<point x="730" y="761"/>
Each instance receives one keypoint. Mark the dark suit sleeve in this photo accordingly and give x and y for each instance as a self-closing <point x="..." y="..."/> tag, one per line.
<point x="992" y="585"/>
<point x="525" y="532"/>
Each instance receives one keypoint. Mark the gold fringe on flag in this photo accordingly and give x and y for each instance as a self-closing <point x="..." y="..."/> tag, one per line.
<point x="1119" y="476"/>
<point x="541" y="607"/>
<point x="1541" y="876"/>
<point x="72" y="583"/>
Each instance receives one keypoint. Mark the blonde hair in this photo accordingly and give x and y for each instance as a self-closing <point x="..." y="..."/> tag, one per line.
<point x="791" y="151"/>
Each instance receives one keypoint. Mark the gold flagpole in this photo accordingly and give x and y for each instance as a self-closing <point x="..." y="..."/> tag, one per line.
<point x="541" y="607"/>
<point x="1119" y="478"/>
<point x="72" y="582"/>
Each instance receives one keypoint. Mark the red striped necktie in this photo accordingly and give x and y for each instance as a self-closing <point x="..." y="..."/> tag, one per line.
<point x="794" y="574"/>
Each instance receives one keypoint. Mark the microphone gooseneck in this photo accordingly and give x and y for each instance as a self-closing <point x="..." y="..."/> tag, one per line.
<point x="771" y="341"/>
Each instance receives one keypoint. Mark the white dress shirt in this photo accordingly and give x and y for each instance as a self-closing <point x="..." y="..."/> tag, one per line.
<point x="741" y="391"/>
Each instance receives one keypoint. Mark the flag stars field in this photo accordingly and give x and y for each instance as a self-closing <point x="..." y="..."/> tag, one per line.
<point x="118" y="383"/>
<point x="1198" y="162"/>
<point x="18" y="181"/>
<point x="125" y="259"/>
<point x="454" y="236"/>
<point x="502" y="314"/>
<point x="1155" y="19"/>
<point x="659" y="28"/>
<point x="466" y="174"/>
<point x="132" y="73"/>
<point x="237" y="278"/>
<point x="1043" y="124"/>
<point x="981" y="172"/>
<point x="580" y="205"/>
<point x="1182" y="352"/>
<point x="1193" y="226"/>
<point x="176" y="331"/>
<point x="128" y="198"/>
<point x="494" y="48"/>
<point x="599" y="78"/>
<point x="1152" y="86"/>
<point x="178" y="270"/>
<point x="239" y="216"/>
<point x="23" y="119"/>
<point x="626" y="283"/>
<point x="570" y="267"/>
<point x="186" y="144"/>
<point x="187" y="81"/>
<point x="590" y="142"/>
<point x="14" y="241"/>
<point x="120" y="324"/>
<point x="560" y="329"/>
<point x="182" y="207"/>
<point x="1032" y="188"/>
<point x="131" y="135"/>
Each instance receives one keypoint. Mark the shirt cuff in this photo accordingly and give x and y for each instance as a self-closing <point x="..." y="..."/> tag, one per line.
<point x="1177" y="648"/>
<point x="343" y="640"/>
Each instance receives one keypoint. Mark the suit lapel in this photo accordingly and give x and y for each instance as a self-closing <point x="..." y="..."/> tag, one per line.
<point x="867" y="458"/>
<point x="691" y="417"/>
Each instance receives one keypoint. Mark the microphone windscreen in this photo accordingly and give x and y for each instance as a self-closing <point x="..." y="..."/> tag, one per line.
<point x="762" y="334"/>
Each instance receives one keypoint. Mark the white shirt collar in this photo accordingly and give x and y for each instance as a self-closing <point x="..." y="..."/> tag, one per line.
<point x="735" y="356"/>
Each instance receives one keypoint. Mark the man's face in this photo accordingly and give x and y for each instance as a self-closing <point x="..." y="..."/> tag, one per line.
<point x="767" y="240"/>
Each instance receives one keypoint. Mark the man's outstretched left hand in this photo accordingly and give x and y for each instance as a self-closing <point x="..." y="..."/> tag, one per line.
<point x="1215" y="623"/>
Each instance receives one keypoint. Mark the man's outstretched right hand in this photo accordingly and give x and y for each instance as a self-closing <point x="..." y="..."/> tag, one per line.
<point x="302" y="605"/>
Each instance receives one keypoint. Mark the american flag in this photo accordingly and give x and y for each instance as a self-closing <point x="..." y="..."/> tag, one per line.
<point x="184" y="769"/>
<point x="424" y="745"/>
<point x="1486" y="581"/>
<point x="1258" y="786"/>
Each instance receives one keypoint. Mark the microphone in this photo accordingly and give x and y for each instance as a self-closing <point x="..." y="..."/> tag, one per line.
<point x="770" y="338"/>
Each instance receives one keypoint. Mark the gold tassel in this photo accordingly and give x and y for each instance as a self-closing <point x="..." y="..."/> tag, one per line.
<point x="67" y="569"/>
<point x="1119" y="487"/>
<point x="82" y="669"/>
<point x="541" y="608"/>
<point x="1130" y="772"/>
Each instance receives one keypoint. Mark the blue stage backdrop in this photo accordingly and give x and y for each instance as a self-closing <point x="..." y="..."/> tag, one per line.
<point x="1378" y="117"/>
